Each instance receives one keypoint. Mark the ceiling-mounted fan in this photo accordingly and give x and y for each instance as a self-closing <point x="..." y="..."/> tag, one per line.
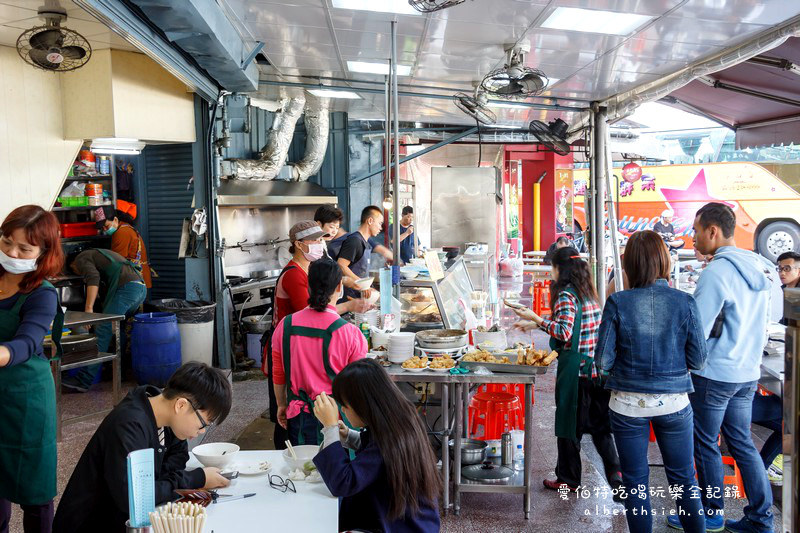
<point x="475" y="107"/>
<point x="515" y="80"/>
<point x="429" y="6"/>
<point x="552" y="135"/>
<point x="51" y="47"/>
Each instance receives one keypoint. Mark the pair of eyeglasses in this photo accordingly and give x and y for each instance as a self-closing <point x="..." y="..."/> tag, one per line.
<point x="203" y="423"/>
<point x="786" y="268"/>
<point x="278" y="483"/>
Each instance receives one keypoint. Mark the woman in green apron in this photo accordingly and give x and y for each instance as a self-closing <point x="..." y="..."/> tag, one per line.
<point x="309" y="348"/>
<point x="30" y="251"/>
<point x="125" y="292"/>
<point x="581" y="400"/>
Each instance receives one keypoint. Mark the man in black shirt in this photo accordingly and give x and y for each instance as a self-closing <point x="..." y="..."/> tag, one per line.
<point x="96" y="497"/>
<point x="354" y="255"/>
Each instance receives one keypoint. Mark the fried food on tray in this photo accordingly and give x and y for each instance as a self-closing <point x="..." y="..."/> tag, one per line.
<point x="415" y="362"/>
<point x="444" y="361"/>
<point x="480" y="356"/>
<point x="532" y="357"/>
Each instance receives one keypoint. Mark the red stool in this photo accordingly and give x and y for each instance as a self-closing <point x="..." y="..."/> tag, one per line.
<point x="736" y="478"/>
<point x="652" y="433"/>
<point x="541" y="298"/>
<point x="517" y="390"/>
<point x="494" y="411"/>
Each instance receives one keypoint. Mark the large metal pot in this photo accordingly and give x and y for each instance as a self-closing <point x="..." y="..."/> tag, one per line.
<point x="252" y="324"/>
<point x="473" y="451"/>
<point x="442" y="339"/>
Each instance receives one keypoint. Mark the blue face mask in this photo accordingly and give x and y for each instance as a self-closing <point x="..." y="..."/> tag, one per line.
<point x="110" y="231"/>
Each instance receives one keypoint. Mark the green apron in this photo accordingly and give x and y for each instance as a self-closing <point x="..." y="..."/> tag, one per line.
<point x="28" y="450"/>
<point x="569" y="365"/>
<point x="303" y="331"/>
<point x="112" y="272"/>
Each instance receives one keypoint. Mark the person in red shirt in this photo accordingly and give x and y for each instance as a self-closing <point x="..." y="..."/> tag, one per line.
<point x="291" y="296"/>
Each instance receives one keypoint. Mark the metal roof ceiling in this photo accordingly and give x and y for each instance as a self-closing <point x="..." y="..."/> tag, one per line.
<point x="457" y="46"/>
<point x="758" y="120"/>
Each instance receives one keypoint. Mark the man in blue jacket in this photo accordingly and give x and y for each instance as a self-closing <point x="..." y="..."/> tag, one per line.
<point x="733" y="296"/>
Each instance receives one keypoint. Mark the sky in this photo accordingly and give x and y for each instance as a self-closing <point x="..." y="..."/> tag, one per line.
<point x="660" y="117"/>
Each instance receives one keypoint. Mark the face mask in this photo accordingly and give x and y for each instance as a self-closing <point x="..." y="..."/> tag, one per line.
<point x="315" y="250"/>
<point x="110" y="231"/>
<point x="17" y="266"/>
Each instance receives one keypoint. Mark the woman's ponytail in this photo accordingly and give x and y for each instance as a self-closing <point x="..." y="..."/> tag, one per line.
<point x="324" y="277"/>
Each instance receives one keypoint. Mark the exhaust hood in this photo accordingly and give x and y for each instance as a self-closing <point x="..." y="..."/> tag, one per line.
<point x="275" y="193"/>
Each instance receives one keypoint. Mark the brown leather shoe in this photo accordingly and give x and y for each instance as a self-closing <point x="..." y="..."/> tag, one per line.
<point x="555" y="484"/>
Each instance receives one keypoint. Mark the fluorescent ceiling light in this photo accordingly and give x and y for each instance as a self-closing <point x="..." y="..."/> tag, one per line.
<point x="376" y="68"/>
<point x="114" y="145"/>
<point x="117" y="151"/>
<point x="334" y="93"/>
<point x="594" y="21"/>
<point x="401" y="7"/>
<point x="513" y="105"/>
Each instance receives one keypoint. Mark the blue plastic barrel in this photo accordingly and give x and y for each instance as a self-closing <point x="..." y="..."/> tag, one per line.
<point x="155" y="348"/>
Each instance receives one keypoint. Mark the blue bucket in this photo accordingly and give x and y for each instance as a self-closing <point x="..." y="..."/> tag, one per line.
<point x="155" y="348"/>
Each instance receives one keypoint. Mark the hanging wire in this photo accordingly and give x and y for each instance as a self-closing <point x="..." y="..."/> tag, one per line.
<point x="480" y="145"/>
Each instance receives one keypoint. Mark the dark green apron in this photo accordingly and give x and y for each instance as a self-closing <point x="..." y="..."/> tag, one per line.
<point x="112" y="272"/>
<point x="303" y="331"/>
<point x="569" y="365"/>
<point x="28" y="450"/>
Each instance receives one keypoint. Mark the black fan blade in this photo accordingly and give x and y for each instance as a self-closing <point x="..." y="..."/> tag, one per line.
<point x="73" y="52"/>
<point x="40" y="58"/>
<point x="44" y="40"/>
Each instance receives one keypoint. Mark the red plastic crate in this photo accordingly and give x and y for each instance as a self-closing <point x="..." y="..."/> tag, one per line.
<point x="78" y="229"/>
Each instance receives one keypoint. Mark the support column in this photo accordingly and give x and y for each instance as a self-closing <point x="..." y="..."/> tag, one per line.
<point x="601" y="168"/>
<point x="396" y="192"/>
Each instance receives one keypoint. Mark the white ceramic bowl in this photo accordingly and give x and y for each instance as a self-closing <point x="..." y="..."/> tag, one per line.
<point x="305" y="453"/>
<point x="409" y="274"/>
<point x="365" y="283"/>
<point x="398" y="359"/>
<point x="218" y="454"/>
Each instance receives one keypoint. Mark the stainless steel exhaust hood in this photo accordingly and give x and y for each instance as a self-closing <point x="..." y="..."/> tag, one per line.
<point x="275" y="193"/>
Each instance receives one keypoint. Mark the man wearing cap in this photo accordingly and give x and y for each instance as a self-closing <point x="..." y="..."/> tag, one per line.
<point x="291" y="296"/>
<point x="665" y="228"/>
<point x="125" y="240"/>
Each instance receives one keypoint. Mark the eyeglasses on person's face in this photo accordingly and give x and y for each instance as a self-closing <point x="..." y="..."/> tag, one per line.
<point x="203" y="423"/>
<point x="786" y="268"/>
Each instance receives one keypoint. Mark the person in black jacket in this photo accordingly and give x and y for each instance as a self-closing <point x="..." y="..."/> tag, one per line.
<point x="96" y="497"/>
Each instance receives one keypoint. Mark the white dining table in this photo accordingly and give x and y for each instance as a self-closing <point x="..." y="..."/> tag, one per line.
<point x="312" y="509"/>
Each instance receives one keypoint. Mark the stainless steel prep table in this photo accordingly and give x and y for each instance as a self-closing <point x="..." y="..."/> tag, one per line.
<point x="74" y="319"/>
<point x="461" y="384"/>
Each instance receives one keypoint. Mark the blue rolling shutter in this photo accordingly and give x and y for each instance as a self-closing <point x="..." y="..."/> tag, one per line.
<point x="168" y="169"/>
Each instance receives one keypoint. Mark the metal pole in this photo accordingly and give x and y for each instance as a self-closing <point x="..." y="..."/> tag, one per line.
<point x="589" y="201"/>
<point x="612" y="220"/>
<point x="396" y="192"/>
<point x="601" y="138"/>
<point x="387" y="140"/>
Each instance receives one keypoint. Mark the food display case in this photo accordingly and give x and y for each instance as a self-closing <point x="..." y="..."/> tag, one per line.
<point x="427" y="304"/>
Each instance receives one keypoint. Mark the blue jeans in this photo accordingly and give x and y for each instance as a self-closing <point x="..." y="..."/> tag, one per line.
<point x="727" y="407"/>
<point x="768" y="413"/>
<point x="307" y="425"/>
<point x="126" y="302"/>
<point x="674" y="436"/>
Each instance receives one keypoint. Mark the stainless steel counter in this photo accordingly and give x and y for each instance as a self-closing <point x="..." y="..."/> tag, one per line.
<point x="460" y="399"/>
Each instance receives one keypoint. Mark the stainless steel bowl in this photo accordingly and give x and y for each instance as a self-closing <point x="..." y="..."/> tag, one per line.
<point x="442" y="338"/>
<point x="473" y="451"/>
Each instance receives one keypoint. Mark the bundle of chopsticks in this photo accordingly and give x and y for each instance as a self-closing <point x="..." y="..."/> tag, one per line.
<point x="178" y="518"/>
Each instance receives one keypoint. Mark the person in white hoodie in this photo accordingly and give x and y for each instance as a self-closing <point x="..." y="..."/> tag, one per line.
<point x="733" y="296"/>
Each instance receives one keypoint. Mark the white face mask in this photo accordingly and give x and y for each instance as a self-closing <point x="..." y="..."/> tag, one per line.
<point x="16" y="266"/>
<point x="315" y="251"/>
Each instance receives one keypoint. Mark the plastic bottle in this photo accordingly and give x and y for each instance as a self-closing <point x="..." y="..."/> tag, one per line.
<point x="519" y="458"/>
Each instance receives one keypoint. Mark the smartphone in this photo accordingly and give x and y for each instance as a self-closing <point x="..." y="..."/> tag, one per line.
<point x="513" y="305"/>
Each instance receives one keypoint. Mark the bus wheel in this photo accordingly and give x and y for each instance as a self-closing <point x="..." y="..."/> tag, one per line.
<point x="777" y="238"/>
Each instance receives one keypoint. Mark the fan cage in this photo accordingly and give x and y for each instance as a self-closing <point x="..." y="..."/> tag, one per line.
<point x="470" y="106"/>
<point x="431" y="6"/>
<point x="551" y="142"/>
<point x="70" y="38"/>
<point x="499" y="78"/>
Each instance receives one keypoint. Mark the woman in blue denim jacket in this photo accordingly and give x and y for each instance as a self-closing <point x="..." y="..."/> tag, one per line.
<point x="650" y="337"/>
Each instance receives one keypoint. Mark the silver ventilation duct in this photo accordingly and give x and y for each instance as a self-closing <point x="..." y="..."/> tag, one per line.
<point x="273" y="156"/>
<point x="317" y="121"/>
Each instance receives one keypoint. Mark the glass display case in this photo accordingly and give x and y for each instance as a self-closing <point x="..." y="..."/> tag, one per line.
<point x="427" y="304"/>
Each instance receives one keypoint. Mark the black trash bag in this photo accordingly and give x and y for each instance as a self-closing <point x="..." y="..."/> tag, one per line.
<point x="187" y="311"/>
